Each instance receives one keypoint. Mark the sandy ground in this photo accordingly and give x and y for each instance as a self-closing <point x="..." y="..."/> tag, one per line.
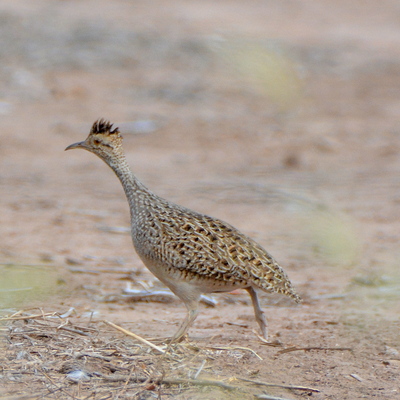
<point x="280" y="117"/>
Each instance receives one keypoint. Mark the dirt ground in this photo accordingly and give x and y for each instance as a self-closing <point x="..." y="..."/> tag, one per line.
<point x="280" y="117"/>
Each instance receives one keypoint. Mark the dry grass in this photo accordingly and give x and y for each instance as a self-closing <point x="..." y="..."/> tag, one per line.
<point x="49" y="355"/>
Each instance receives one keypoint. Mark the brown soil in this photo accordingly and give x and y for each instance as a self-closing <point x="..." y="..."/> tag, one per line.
<point x="281" y="117"/>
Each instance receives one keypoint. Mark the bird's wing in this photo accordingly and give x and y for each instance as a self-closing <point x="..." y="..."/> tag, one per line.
<point x="209" y="247"/>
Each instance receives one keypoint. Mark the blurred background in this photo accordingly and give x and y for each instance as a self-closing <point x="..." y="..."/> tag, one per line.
<point x="278" y="116"/>
<point x="281" y="117"/>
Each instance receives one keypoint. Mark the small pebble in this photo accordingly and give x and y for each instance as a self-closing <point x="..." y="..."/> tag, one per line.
<point x="78" y="376"/>
<point x="391" y="351"/>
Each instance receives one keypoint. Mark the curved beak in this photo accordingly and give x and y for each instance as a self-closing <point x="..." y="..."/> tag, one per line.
<point x="78" y="145"/>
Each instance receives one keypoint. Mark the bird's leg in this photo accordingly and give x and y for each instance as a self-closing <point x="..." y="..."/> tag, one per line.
<point x="260" y="317"/>
<point x="192" y="308"/>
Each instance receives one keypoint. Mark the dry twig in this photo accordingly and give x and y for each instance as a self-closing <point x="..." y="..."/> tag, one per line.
<point x="234" y="348"/>
<point x="99" y="271"/>
<point x="268" y="397"/>
<point x="137" y="337"/>
<point x="57" y="386"/>
<point x="292" y="387"/>
<point x="294" y="348"/>
<point x="170" y="381"/>
<point x="24" y="317"/>
<point x="196" y="375"/>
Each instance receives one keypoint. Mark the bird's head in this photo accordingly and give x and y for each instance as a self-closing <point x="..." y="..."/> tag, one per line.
<point x="103" y="141"/>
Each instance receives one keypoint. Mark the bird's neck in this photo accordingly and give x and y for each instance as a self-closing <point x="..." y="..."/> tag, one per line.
<point x="135" y="191"/>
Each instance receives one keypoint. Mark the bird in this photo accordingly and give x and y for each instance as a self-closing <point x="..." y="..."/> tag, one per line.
<point x="190" y="252"/>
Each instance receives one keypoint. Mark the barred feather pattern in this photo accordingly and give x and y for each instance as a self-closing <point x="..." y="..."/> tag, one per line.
<point x="201" y="245"/>
<point x="192" y="253"/>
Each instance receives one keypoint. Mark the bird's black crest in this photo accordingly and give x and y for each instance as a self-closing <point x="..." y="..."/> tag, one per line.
<point x="103" y="126"/>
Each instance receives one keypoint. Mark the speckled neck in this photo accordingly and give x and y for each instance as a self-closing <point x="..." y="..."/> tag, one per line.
<point x="133" y="188"/>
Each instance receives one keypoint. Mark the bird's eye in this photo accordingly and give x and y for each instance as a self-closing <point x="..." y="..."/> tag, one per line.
<point x="96" y="142"/>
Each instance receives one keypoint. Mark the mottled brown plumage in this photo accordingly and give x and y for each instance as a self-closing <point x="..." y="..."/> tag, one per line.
<point x="189" y="252"/>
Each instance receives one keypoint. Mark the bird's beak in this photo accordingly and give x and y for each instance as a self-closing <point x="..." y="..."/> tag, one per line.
<point x="78" y="145"/>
